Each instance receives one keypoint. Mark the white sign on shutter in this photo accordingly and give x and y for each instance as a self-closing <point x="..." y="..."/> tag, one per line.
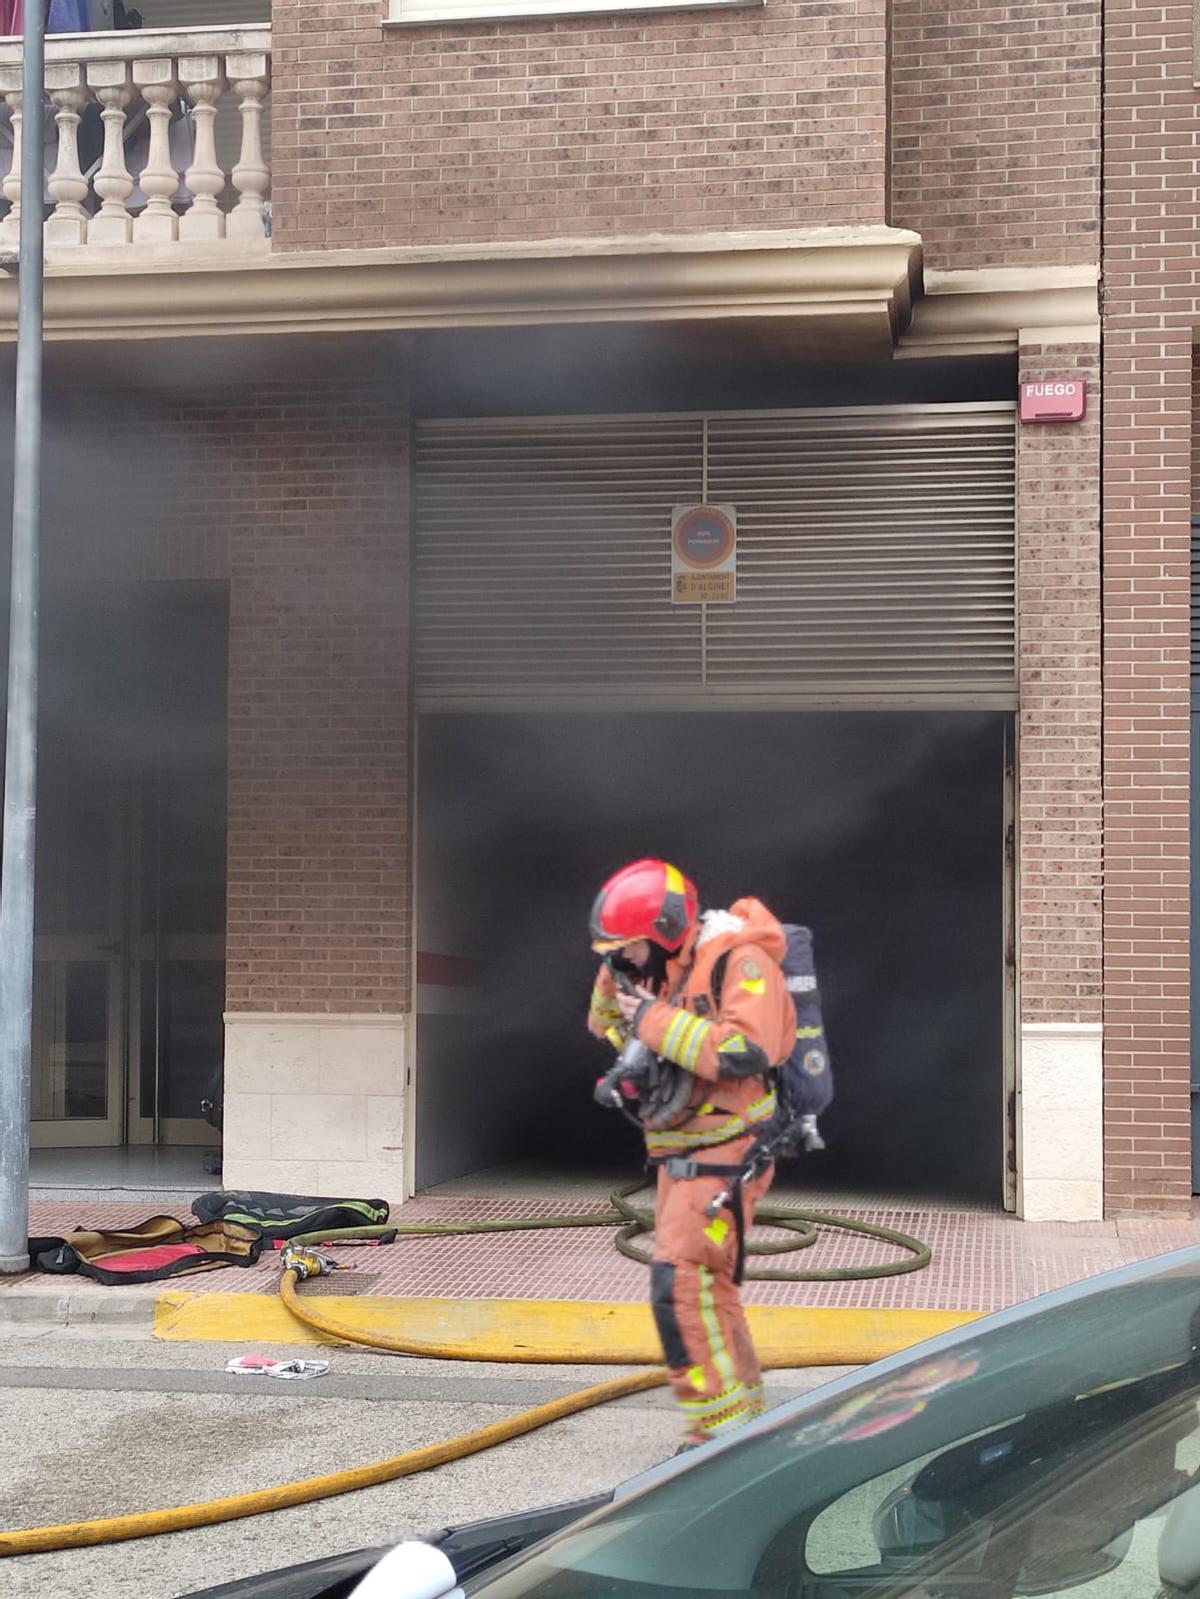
<point x="704" y="555"/>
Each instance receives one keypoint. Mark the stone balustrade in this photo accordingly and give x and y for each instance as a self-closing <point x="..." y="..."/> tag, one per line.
<point x="152" y="138"/>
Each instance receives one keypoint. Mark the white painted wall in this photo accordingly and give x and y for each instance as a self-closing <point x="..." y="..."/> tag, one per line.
<point x="315" y="1104"/>
<point x="1061" y="1122"/>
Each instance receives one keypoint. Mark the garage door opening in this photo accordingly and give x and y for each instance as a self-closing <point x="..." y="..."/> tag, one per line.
<point x="881" y="830"/>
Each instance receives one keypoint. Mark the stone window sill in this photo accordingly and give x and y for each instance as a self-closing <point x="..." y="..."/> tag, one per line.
<point x="424" y="13"/>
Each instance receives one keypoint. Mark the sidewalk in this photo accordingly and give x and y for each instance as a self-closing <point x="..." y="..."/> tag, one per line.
<point x="982" y="1260"/>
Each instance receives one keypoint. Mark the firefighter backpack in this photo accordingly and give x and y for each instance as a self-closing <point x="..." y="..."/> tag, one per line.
<point x="806" y="1078"/>
<point x="804" y="1083"/>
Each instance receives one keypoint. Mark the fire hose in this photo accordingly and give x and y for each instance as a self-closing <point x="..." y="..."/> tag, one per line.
<point x="802" y="1226"/>
<point x="301" y="1261"/>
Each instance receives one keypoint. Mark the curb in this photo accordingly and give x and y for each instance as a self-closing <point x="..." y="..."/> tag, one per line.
<point x="78" y="1308"/>
<point x="546" y="1331"/>
<point x="576" y="1332"/>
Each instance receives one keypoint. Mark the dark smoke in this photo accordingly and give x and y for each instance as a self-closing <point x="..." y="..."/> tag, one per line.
<point x="881" y="831"/>
<point x="132" y="740"/>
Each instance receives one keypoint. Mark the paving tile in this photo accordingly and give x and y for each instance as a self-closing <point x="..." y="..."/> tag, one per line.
<point x="982" y="1259"/>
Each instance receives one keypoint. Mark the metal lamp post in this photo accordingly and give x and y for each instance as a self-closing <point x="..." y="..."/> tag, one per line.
<point x="20" y="770"/>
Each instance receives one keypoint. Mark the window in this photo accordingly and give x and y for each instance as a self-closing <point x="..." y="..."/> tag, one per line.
<point x="1095" y="1498"/>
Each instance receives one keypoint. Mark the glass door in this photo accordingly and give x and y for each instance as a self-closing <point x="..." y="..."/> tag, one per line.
<point x="77" y="1043"/>
<point x="177" y="966"/>
<point x="78" y="1053"/>
<point x="130" y="871"/>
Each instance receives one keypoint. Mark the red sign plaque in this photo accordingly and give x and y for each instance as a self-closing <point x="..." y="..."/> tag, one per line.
<point x="1053" y="400"/>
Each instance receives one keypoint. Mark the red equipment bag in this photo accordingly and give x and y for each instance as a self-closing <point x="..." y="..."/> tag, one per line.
<point x="155" y="1249"/>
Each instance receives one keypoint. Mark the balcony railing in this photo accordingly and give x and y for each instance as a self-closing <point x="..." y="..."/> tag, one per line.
<point x="152" y="138"/>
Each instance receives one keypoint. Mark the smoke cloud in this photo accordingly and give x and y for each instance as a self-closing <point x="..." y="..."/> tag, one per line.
<point x="881" y="831"/>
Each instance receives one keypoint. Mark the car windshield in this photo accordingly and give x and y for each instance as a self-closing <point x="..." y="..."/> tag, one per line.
<point x="1055" y="1448"/>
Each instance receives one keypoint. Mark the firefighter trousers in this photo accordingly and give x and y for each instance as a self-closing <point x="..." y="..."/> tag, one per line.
<point x="696" y="1301"/>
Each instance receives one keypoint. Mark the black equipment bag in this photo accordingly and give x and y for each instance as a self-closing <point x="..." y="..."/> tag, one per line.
<point x="287" y="1215"/>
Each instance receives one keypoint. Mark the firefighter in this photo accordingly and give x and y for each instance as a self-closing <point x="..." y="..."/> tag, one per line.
<point x="706" y="995"/>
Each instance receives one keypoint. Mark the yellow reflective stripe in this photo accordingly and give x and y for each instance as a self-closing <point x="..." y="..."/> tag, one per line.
<point x="698" y="1381"/>
<point x="708" y="1314"/>
<point x="690" y="1025"/>
<point x="720" y="1134"/>
<point x="808" y="1032"/>
<point x="694" y="1043"/>
<point x="733" y="1046"/>
<point x="708" y="1407"/>
<point x="744" y="1411"/>
<point x="754" y="985"/>
<point x="684" y="1038"/>
<point x="761" y="1110"/>
<point x="717" y="1230"/>
<point x="674" y="1033"/>
<point x="604" y="1007"/>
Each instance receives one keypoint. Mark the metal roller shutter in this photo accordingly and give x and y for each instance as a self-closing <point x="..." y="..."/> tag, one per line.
<point x="875" y="559"/>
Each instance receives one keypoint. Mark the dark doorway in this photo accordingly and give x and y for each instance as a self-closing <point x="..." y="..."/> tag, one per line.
<point x="883" y="831"/>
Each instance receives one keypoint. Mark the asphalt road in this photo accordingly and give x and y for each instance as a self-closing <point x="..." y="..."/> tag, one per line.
<point x="94" y="1426"/>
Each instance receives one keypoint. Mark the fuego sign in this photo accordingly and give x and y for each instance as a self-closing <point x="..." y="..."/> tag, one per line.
<point x="1053" y="400"/>
<point x="703" y="555"/>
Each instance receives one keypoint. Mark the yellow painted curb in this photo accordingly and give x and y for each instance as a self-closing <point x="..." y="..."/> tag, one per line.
<point x="558" y="1331"/>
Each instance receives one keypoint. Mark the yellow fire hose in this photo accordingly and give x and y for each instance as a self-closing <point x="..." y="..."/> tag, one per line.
<point x="207" y="1513"/>
<point x="181" y="1518"/>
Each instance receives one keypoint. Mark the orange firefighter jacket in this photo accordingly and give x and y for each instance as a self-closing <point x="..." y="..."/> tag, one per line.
<point x="729" y="1047"/>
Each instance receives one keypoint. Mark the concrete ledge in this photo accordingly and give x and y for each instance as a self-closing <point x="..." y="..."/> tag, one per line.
<point x="840" y="286"/>
<point x="997" y="310"/>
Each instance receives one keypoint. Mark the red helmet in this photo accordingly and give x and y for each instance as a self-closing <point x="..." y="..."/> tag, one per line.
<point x="650" y="899"/>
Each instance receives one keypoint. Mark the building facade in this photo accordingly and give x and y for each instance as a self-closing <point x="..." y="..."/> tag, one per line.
<point x="363" y="660"/>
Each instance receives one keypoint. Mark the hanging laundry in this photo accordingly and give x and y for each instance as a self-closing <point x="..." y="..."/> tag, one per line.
<point x="68" y="16"/>
<point x="64" y="16"/>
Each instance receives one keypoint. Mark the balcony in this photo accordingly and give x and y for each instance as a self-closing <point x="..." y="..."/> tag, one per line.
<point x="155" y="140"/>
<point x="158" y="224"/>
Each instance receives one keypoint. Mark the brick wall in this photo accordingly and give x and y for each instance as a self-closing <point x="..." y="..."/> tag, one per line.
<point x="1058" y="565"/>
<point x="689" y="121"/>
<point x="318" y="896"/>
<point x="1152" y="298"/>
<point x="995" y="148"/>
